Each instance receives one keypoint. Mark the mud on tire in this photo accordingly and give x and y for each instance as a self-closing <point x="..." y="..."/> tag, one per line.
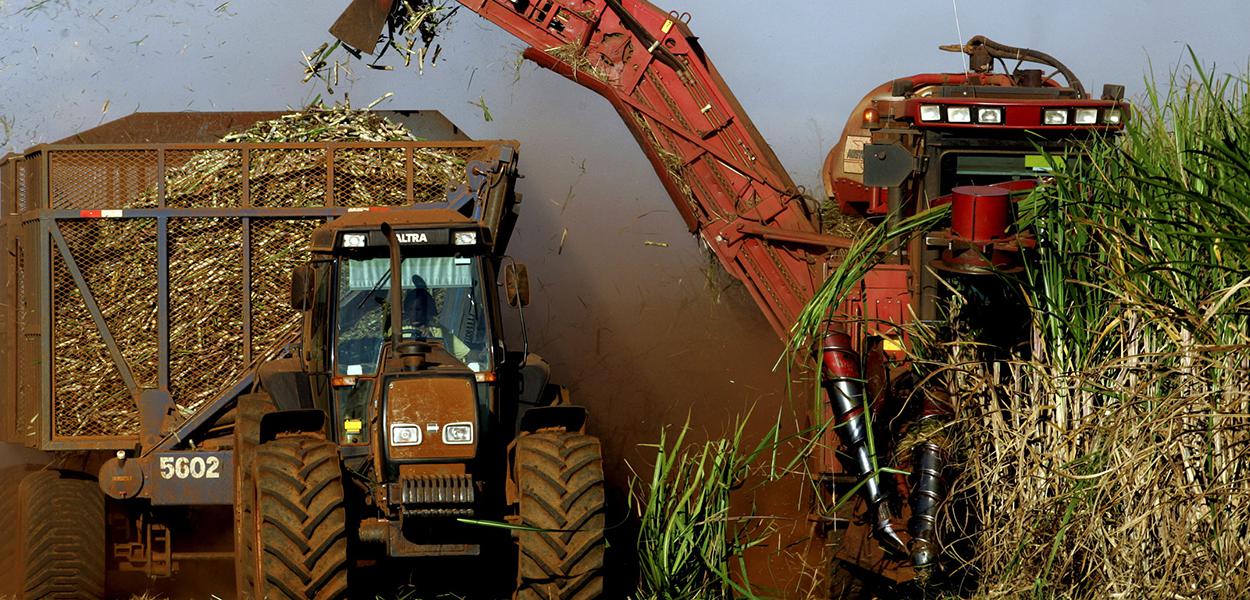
<point x="250" y="409"/>
<point x="51" y="535"/>
<point x="301" y="549"/>
<point x="560" y="479"/>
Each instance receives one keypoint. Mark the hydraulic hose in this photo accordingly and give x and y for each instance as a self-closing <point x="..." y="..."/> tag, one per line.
<point x="1003" y="51"/>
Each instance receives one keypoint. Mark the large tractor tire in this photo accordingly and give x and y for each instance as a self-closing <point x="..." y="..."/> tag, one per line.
<point x="560" y="479"/>
<point x="248" y="412"/>
<point x="51" y="536"/>
<point x="10" y="542"/>
<point x="301" y="529"/>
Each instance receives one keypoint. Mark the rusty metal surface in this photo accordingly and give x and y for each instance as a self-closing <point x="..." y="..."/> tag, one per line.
<point x="430" y="403"/>
<point x="172" y="478"/>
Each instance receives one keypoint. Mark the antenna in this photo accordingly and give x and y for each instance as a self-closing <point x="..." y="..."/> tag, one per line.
<point x="960" y="41"/>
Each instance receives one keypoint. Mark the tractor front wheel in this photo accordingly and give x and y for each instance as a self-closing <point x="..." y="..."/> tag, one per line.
<point x="560" y="549"/>
<point x="301" y="529"/>
<point x="248" y="412"/>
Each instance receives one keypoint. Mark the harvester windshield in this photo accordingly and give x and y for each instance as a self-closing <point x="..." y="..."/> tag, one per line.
<point x="442" y="302"/>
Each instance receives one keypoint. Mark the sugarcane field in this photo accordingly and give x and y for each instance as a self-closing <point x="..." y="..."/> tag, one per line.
<point x="787" y="300"/>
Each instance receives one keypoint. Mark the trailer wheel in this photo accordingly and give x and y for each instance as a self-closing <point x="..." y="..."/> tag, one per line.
<point x="301" y="529"/>
<point x="249" y="409"/>
<point x="560" y="479"/>
<point x="53" y="535"/>
<point x="10" y="544"/>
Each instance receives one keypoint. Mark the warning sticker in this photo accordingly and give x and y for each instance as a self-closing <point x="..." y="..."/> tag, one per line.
<point x="853" y="154"/>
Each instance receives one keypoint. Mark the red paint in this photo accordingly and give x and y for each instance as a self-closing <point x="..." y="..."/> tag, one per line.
<point x="980" y="213"/>
<point x="839" y="360"/>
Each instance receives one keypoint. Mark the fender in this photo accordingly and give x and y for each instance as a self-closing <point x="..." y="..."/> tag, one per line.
<point x="564" y="416"/>
<point x="304" y="420"/>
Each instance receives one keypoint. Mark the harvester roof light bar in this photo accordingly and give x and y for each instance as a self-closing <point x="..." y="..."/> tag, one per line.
<point x="1086" y="116"/>
<point x="930" y="112"/>
<point x="466" y="238"/>
<point x="1055" y="116"/>
<point x="355" y="240"/>
<point x="1112" y="116"/>
<point x="959" y="114"/>
<point x="990" y="116"/>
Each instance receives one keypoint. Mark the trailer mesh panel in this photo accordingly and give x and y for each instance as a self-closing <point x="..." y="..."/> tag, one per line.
<point x="288" y="177"/>
<point x="28" y="361"/>
<point x="96" y="179"/>
<point x="274" y="255"/>
<point x="89" y="397"/>
<point x="203" y="178"/>
<point x="206" y="312"/>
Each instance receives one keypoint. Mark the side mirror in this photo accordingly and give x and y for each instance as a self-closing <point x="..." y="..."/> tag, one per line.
<point x="302" y="287"/>
<point x="516" y="284"/>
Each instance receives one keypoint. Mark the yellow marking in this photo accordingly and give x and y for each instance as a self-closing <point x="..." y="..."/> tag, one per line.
<point x="668" y="24"/>
<point x="352" y="426"/>
<point x="891" y="345"/>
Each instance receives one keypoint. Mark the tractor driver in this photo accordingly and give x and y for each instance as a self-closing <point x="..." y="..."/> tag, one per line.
<point x="421" y="320"/>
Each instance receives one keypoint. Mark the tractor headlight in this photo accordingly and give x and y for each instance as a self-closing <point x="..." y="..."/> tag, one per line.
<point x="930" y="112"/>
<point x="1055" y="116"/>
<point x="1112" y="116"/>
<point x="354" y="240"/>
<point x="959" y="114"/>
<point x="458" y="433"/>
<point x="466" y="238"/>
<point x="405" y="435"/>
<point x="1086" y="116"/>
<point x="990" y="115"/>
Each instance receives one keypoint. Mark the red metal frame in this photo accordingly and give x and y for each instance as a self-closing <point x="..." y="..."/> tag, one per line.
<point x="724" y="178"/>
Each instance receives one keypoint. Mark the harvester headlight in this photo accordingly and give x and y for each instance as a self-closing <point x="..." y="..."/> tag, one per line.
<point x="466" y="238"/>
<point x="458" y="433"/>
<point x="959" y="114"/>
<point x="354" y="240"/>
<point x="990" y="115"/>
<point x="1055" y="116"/>
<point x="1112" y="116"/>
<point x="405" y="435"/>
<point x="1086" y="116"/>
<point x="930" y="112"/>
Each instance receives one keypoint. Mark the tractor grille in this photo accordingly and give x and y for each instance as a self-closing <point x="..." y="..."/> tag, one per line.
<point x="435" y="495"/>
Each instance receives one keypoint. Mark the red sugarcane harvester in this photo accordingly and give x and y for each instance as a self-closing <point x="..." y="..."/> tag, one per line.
<point x="970" y="139"/>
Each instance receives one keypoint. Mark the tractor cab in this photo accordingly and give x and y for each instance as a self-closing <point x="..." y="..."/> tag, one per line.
<point x="400" y="339"/>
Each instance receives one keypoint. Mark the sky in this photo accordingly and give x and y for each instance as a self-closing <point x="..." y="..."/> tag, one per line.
<point x="646" y="334"/>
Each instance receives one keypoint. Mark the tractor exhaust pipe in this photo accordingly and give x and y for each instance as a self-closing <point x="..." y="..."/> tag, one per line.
<point x="844" y="387"/>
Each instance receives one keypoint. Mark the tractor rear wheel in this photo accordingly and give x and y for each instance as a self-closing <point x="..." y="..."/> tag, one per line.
<point x="301" y="528"/>
<point x="560" y="479"/>
<point x="248" y="412"/>
<point x="52" y="535"/>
